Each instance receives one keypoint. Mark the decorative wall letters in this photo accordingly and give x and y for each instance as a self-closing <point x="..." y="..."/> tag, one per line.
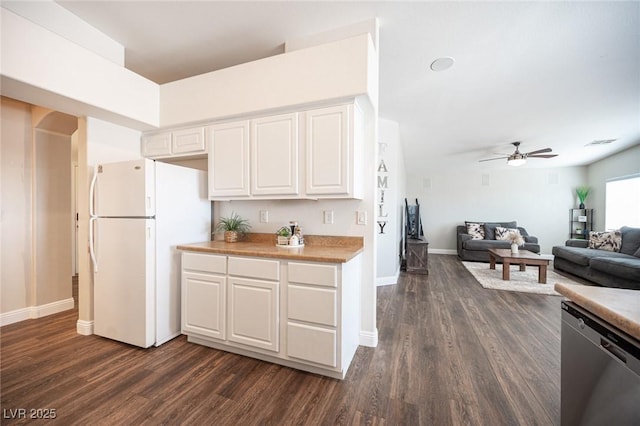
<point x="383" y="184"/>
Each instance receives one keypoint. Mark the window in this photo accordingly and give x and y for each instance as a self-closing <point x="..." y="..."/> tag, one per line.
<point x="622" y="202"/>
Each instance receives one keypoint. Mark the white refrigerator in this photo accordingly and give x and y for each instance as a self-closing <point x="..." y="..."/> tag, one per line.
<point x="140" y="211"/>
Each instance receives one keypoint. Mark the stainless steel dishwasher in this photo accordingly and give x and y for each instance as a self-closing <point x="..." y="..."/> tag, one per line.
<point x="600" y="371"/>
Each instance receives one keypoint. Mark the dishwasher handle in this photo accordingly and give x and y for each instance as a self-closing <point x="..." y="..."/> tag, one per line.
<point x="613" y="349"/>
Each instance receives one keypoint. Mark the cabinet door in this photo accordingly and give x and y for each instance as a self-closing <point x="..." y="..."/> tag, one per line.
<point x="274" y="155"/>
<point x="328" y="151"/>
<point x="228" y="159"/>
<point x="204" y="304"/>
<point x="253" y="313"/>
<point x="188" y="141"/>
<point x="156" y="145"/>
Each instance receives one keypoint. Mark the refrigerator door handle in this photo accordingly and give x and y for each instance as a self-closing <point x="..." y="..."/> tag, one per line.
<point x="92" y="250"/>
<point x="92" y="193"/>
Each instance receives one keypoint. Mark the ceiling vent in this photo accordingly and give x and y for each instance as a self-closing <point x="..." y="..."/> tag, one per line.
<point x="601" y="142"/>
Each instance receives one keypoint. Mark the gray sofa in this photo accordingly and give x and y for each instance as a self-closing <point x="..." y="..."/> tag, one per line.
<point x="606" y="268"/>
<point x="478" y="250"/>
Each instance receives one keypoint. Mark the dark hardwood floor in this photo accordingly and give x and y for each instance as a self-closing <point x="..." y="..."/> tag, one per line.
<point x="450" y="353"/>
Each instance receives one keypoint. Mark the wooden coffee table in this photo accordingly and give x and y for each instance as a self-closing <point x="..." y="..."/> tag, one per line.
<point x="522" y="258"/>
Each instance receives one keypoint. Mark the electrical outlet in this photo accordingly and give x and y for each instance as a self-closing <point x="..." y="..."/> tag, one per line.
<point x="328" y="217"/>
<point x="264" y="216"/>
<point x="361" y="217"/>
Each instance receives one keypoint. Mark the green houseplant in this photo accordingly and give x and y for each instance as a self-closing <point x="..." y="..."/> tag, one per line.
<point x="283" y="235"/>
<point x="583" y="192"/>
<point x="232" y="226"/>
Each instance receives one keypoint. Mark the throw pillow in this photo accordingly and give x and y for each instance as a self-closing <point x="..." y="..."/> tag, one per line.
<point x="490" y="228"/>
<point x="503" y="233"/>
<point x="476" y="230"/>
<point x="609" y="241"/>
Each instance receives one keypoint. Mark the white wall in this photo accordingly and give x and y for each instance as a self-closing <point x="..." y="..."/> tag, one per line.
<point x="15" y="185"/>
<point x="36" y="216"/>
<point x="56" y="18"/>
<point x="623" y="163"/>
<point x="538" y="199"/>
<point x="389" y="202"/>
<point x="77" y="81"/>
<point x="330" y="71"/>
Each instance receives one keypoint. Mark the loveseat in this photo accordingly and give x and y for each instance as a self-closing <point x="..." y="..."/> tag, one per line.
<point x="477" y="249"/>
<point x="603" y="266"/>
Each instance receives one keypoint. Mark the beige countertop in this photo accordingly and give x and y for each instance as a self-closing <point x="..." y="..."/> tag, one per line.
<point x="619" y="307"/>
<point x="317" y="248"/>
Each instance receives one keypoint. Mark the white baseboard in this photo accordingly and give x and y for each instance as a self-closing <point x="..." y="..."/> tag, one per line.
<point x="393" y="279"/>
<point x="33" y="312"/>
<point x="368" y="338"/>
<point x="84" y="328"/>
<point x="443" y="251"/>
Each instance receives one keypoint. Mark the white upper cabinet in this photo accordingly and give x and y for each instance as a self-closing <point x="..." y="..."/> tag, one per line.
<point x="333" y="152"/>
<point x="177" y="143"/>
<point x="158" y="145"/>
<point x="229" y="160"/>
<point x="188" y="141"/>
<point x="274" y="155"/>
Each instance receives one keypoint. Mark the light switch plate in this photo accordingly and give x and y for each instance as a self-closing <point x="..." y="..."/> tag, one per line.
<point x="264" y="216"/>
<point x="361" y="217"/>
<point x="328" y="217"/>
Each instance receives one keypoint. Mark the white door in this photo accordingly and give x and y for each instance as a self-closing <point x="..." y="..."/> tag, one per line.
<point x="125" y="189"/>
<point x="274" y="155"/>
<point x="124" y="283"/>
<point x="228" y="159"/>
<point x="253" y="313"/>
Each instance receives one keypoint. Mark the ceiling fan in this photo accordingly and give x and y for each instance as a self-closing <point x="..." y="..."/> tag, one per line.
<point x="518" y="158"/>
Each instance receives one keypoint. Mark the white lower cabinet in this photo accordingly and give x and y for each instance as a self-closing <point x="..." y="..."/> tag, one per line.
<point x="304" y="315"/>
<point x="204" y="295"/>
<point x="253" y="313"/>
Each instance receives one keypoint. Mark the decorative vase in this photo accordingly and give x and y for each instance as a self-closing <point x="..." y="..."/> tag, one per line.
<point x="581" y="206"/>
<point x="514" y="248"/>
<point x="230" y="236"/>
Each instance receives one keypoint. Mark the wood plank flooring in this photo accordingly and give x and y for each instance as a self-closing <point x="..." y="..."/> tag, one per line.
<point x="449" y="353"/>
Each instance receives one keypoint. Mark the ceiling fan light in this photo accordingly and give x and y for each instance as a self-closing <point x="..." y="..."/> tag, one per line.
<point x="516" y="161"/>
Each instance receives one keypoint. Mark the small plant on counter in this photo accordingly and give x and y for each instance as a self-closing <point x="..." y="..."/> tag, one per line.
<point x="232" y="226"/>
<point x="283" y="235"/>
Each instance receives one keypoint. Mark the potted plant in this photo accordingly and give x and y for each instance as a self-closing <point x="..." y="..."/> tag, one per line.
<point x="232" y="226"/>
<point x="283" y="236"/>
<point x="583" y="192"/>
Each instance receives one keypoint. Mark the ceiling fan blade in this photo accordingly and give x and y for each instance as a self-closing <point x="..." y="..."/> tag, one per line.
<point x="542" y="156"/>
<point x="539" y="151"/>
<point x="491" y="159"/>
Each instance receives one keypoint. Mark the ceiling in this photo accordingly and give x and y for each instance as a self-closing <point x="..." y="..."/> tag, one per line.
<point x="549" y="74"/>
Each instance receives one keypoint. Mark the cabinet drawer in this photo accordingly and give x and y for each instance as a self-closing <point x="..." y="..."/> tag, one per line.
<point x="204" y="262"/>
<point x="311" y="304"/>
<point x="312" y="344"/>
<point x="314" y="274"/>
<point x="254" y="268"/>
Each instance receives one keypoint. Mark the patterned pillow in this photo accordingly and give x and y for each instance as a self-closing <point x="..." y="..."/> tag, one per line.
<point x="609" y="241"/>
<point x="503" y="233"/>
<point x="476" y="230"/>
